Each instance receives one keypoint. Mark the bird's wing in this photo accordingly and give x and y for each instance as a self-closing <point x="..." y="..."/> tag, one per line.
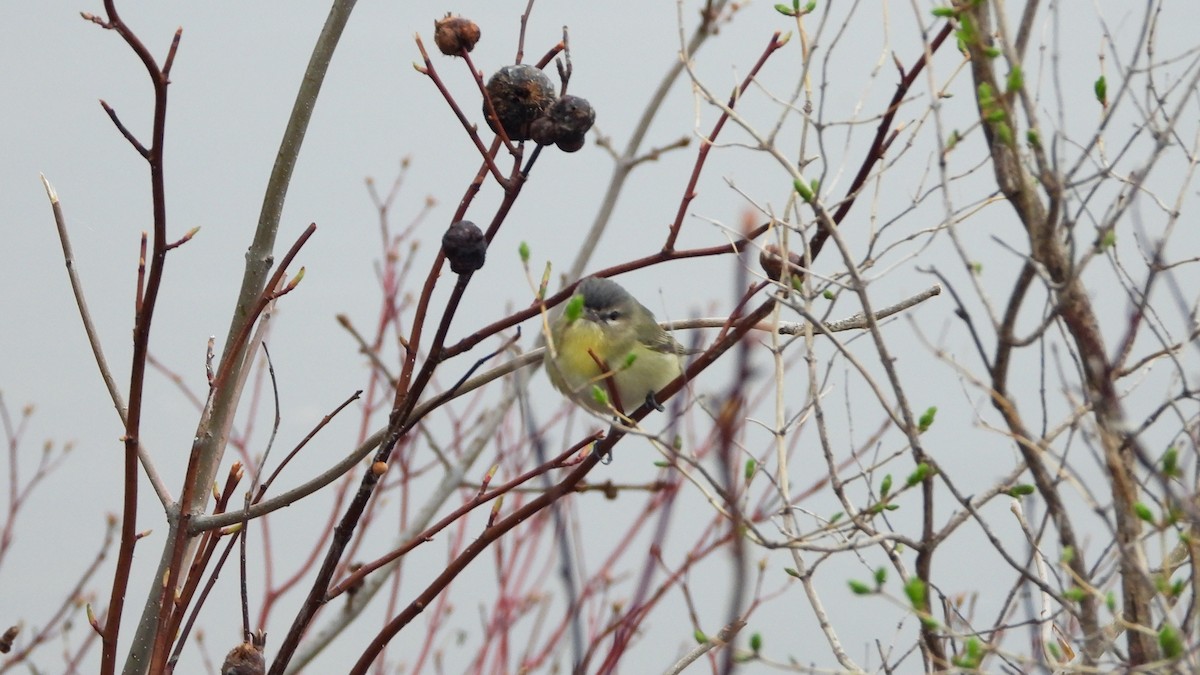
<point x="662" y="341"/>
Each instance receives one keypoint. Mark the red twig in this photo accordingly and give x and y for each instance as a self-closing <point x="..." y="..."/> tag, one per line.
<point x="706" y="144"/>
<point x="142" y="322"/>
<point x="551" y="494"/>
<point x="515" y="318"/>
<point x="490" y="107"/>
<point x="483" y="497"/>
<point x="69" y="605"/>
<point x="610" y="382"/>
<point x="430" y="72"/>
<point x="624" y="627"/>
<point x="184" y="239"/>
<point x="179" y="545"/>
<point x="137" y="145"/>
<point x="269" y="294"/>
<point x="881" y="142"/>
<point x="549" y="55"/>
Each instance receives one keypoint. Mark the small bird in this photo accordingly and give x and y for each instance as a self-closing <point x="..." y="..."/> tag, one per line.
<point x="604" y="324"/>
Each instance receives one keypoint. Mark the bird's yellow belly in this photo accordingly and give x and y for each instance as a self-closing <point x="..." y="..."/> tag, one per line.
<point x="576" y="369"/>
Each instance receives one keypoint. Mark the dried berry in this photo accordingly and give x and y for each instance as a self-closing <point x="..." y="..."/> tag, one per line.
<point x="772" y="263"/>
<point x="564" y="124"/>
<point x="544" y="131"/>
<point x="572" y="115"/>
<point x="453" y="34"/>
<point x="464" y="247"/>
<point x="570" y="142"/>
<point x="244" y="659"/>
<point x="520" y="94"/>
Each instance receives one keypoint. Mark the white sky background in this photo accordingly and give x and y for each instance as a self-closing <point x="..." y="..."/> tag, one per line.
<point x="234" y="81"/>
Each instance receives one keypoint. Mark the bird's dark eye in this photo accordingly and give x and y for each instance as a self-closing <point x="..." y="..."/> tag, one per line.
<point x="613" y="315"/>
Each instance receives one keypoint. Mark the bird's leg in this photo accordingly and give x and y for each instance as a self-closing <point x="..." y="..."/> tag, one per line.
<point x="653" y="402"/>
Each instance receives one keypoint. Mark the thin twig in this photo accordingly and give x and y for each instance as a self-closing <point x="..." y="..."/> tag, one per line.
<point x="722" y="640"/>
<point x="429" y="71"/>
<point x="706" y="143"/>
<point x="93" y="337"/>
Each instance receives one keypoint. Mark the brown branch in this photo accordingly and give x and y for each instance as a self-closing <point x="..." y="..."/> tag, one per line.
<point x="689" y="192"/>
<point x="179" y="542"/>
<point x="141" y="330"/>
<point x="137" y="145"/>
<point x="171" y="52"/>
<point x="1042" y="226"/>
<point x="93" y="337"/>
<point x="400" y="420"/>
<point x="266" y="485"/>
<point x="482" y="497"/>
<point x="429" y="71"/>
<point x="739" y="328"/>
<point x="564" y="70"/>
<point x="238" y="344"/>
<point x="563" y="295"/>
<point x="521" y="33"/>
<point x="880" y="143"/>
<point x="207" y="546"/>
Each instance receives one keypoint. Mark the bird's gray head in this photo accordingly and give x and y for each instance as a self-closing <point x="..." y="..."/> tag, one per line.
<point x="599" y="294"/>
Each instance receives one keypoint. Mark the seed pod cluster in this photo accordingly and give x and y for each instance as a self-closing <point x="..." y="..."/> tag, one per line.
<point x="528" y="109"/>
<point x="464" y="246"/>
<point x="564" y="124"/>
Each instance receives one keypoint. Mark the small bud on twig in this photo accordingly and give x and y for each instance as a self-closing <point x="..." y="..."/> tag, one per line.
<point x="496" y="506"/>
<point x="93" y="621"/>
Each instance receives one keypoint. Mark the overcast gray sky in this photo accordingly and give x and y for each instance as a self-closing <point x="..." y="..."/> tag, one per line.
<point x="233" y="85"/>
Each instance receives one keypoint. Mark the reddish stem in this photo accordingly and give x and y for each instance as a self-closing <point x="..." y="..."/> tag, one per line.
<point x="141" y="332"/>
<point x="552" y="494"/>
<point x="706" y="144"/>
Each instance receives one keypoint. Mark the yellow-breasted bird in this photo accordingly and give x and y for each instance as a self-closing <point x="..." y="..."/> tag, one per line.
<point x="604" y="324"/>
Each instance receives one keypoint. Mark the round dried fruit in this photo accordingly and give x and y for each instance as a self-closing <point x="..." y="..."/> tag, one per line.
<point x="464" y="246"/>
<point x="570" y="142"/>
<point x="572" y="115"/>
<point x="520" y="94"/>
<point x="453" y="34"/>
